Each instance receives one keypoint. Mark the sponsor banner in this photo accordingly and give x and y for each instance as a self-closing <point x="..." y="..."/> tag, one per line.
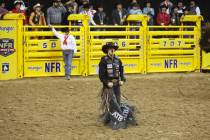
<point x="49" y="68"/>
<point x="170" y="64"/>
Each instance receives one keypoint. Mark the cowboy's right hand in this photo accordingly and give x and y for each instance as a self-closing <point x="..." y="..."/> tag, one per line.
<point x="110" y="84"/>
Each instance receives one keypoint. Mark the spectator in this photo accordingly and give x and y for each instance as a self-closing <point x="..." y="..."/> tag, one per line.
<point x="19" y="9"/>
<point x="68" y="45"/>
<point x="3" y="10"/>
<point x="181" y="8"/>
<point x="194" y="9"/>
<point x="88" y="11"/>
<point x="37" y="16"/>
<point x="186" y="12"/>
<point x="131" y="4"/>
<point x="100" y="17"/>
<point x="168" y="4"/>
<point x="55" y="13"/>
<point x="18" y="4"/>
<point x="84" y="2"/>
<point x="69" y="11"/>
<point x="175" y="18"/>
<point x="148" y="10"/>
<point x="119" y="15"/>
<point x="163" y="18"/>
<point x="135" y="9"/>
<point x="72" y="5"/>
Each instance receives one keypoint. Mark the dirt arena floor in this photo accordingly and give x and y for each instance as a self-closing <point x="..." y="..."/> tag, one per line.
<point x="170" y="107"/>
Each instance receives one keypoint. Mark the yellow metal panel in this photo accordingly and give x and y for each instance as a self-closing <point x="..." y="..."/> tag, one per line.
<point x="205" y="61"/>
<point x="130" y="50"/>
<point x="43" y="57"/>
<point x="170" y="64"/>
<point x="131" y="65"/>
<point x="8" y="49"/>
<point x="159" y="33"/>
<point x="171" y="52"/>
<point x="14" y="16"/>
<point x="49" y="68"/>
<point x="114" y="33"/>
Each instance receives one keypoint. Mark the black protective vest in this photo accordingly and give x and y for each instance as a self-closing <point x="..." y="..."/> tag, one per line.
<point x="113" y="67"/>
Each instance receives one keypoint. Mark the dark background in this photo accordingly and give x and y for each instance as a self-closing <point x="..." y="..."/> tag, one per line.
<point x="110" y="4"/>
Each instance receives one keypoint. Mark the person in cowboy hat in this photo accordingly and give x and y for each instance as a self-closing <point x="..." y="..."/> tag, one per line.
<point x="18" y="7"/>
<point x="111" y="74"/>
<point x="37" y="16"/>
<point x="111" y="71"/>
<point x="69" y="48"/>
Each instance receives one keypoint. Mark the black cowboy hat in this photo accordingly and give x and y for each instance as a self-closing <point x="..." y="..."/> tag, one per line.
<point x="109" y="45"/>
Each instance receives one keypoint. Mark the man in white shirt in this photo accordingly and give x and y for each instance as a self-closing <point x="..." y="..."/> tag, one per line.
<point x="68" y="45"/>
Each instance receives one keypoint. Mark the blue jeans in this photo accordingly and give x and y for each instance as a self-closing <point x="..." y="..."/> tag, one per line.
<point x="67" y="56"/>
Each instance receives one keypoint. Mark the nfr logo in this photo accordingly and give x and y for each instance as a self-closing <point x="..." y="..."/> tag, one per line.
<point x="6" y="47"/>
<point x="52" y="67"/>
<point x="171" y="63"/>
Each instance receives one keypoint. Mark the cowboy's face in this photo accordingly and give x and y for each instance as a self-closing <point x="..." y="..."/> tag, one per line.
<point x="111" y="51"/>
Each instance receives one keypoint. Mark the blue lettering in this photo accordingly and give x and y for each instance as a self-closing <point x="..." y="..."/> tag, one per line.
<point x="47" y="67"/>
<point x="171" y="63"/>
<point x="50" y="67"/>
<point x="58" y="67"/>
<point x="166" y="64"/>
<point x="175" y="63"/>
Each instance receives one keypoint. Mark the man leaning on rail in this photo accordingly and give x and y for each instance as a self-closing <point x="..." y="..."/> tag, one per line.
<point x="68" y="45"/>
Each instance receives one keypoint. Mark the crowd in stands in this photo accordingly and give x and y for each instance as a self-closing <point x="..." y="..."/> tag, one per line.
<point x="169" y="13"/>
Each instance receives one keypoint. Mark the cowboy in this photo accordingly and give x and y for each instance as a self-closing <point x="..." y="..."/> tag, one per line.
<point x="69" y="48"/>
<point x="111" y="74"/>
<point x="111" y="71"/>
